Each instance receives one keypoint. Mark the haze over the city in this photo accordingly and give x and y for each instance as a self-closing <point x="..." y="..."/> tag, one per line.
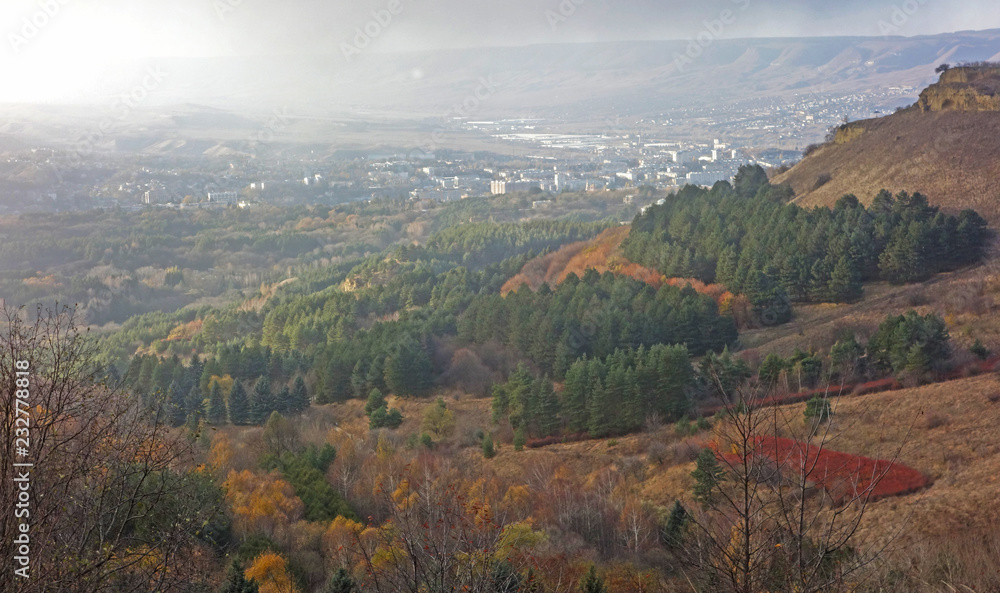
<point x="56" y="48"/>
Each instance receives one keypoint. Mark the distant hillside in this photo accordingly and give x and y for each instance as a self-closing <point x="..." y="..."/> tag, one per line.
<point x="946" y="147"/>
<point x="568" y="81"/>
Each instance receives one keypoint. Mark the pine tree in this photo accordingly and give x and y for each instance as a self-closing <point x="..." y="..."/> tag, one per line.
<point x="175" y="408"/>
<point x="599" y="410"/>
<point x="375" y="401"/>
<point x="376" y="373"/>
<point x="900" y="262"/>
<point x="216" y="408"/>
<point x="359" y="380"/>
<point x="845" y="355"/>
<point x="162" y="375"/>
<point x="771" y="369"/>
<point x="211" y="369"/>
<point x="615" y="401"/>
<point x="674" y="377"/>
<point x="489" y="452"/>
<point x="300" y="395"/>
<point x="236" y="582"/>
<point x="499" y="402"/>
<point x="239" y="407"/>
<point x="708" y="476"/>
<point x="194" y="403"/>
<point x="592" y="583"/>
<point x="917" y="362"/>
<point x="408" y="369"/>
<point x="845" y="282"/>
<point x="548" y="408"/>
<point x="341" y="582"/>
<point x="283" y="401"/>
<point x="632" y="408"/>
<point x="193" y="373"/>
<point x="519" y="439"/>
<point x="261" y="401"/>
<point x="818" y="408"/>
<point x="336" y="383"/>
<point x="575" y="397"/>
<point x="979" y="350"/>
<point x="134" y="370"/>
<point x="677" y="522"/>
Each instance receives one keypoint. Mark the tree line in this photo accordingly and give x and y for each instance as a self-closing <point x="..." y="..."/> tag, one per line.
<point x="749" y="238"/>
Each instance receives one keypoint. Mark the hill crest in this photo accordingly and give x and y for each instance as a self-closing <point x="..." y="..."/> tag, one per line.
<point x="966" y="88"/>
<point x="945" y="147"/>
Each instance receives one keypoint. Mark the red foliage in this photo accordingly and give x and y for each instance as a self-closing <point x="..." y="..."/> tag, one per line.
<point x="887" y="384"/>
<point x="842" y="475"/>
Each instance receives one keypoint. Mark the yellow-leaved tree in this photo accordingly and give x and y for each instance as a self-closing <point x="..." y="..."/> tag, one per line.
<point x="270" y="572"/>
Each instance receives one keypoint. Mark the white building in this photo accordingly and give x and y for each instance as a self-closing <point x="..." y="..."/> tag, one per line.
<point x="224" y="197"/>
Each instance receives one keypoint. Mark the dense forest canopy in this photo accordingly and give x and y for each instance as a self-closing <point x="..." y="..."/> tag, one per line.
<point x="748" y="237"/>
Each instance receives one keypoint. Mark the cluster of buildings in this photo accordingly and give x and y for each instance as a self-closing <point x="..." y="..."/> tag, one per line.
<point x="665" y="152"/>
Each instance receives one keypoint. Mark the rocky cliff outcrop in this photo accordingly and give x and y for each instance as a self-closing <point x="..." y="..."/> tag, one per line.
<point x="966" y="88"/>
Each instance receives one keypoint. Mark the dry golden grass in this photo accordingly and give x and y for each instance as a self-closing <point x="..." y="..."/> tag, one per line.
<point x="965" y="299"/>
<point x="962" y="457"/>
<point x="948" y="156"/>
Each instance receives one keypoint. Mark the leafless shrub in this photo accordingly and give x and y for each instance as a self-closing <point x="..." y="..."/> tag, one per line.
<point x="685" y="451"/>
<point x="102" y="466"/>
<point x="917" y="297"/>
<point x="657" y="453"/>
<point x="467" y="373"/>
<point x="653" y="422"/>
<point x="935" y="419"/>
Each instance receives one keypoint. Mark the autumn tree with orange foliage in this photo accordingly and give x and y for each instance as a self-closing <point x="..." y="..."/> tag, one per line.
<point x="440" y="532"/>
<point x="262" y="503"/>
<point x="270" y="572"/>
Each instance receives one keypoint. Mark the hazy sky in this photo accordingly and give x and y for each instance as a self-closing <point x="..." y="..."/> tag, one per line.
<point x="82" y="30"/>
<point x="51" y="47"/>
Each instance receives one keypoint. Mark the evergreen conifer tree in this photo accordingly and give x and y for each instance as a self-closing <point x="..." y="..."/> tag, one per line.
<point x="341" y="582"/>
<point x="708" y="476"/>
<point x="175" y="405"/>
<point x="261" y="401"/>
<point x="238" y="405"/>
<point x="300" y="395"/>
<point x="216" y="407"/>
<point x="236" y="582"/>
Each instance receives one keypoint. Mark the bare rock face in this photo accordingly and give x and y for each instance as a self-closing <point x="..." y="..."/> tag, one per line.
<point x="966" y="88"/>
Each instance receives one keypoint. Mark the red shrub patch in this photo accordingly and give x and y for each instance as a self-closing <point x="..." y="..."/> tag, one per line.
<point x="842" y="475"/>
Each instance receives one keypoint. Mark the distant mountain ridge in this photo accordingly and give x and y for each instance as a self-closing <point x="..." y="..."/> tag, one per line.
<point x="565" y="80"/>
<point x="946" y="146"/>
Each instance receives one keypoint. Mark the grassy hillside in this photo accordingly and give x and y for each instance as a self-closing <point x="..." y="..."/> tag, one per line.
<point x="946" y="146"/>
<point x="965" y="299"/>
